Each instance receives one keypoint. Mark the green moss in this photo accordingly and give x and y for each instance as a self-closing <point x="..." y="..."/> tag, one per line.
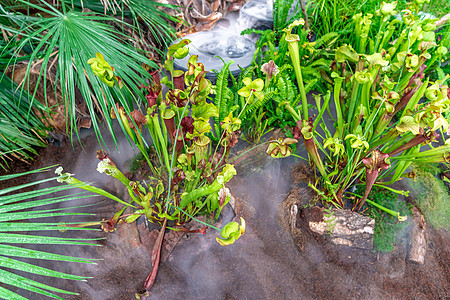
<point x="137" y="162"/>
<point x="387" y="227"/>
<point x="431" y="195"/>
<point x="431" y="168"/>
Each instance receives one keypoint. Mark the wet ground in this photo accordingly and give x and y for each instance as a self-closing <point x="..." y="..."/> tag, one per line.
<point x="263" y="264"/>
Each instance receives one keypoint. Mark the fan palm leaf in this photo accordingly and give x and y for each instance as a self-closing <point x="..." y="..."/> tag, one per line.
<point x="152" y="13"/>
<point x="16" y="210"/>
<point x="72" y="38"/>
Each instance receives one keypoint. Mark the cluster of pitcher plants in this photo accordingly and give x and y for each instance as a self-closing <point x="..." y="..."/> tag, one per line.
<point x="189" y="172"/>
<point x="387" y="110"/>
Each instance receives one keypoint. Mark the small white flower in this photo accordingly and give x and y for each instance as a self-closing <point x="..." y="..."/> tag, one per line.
<point x="103" y="165"/>
<point x="64" y="178"/>
<point x="58" y="171"/>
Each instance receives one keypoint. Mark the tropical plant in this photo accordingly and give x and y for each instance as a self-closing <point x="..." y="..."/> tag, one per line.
<point x="189" y="173"/>
<point x="367" y="141"/>
<point x="67" y="38"/>
<point x="152" y="13"/>
<point x="188" y="166"/>
<point x="18" y="208"/>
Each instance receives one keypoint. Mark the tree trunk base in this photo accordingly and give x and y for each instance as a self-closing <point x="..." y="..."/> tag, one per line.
<point x="418" y="241"/>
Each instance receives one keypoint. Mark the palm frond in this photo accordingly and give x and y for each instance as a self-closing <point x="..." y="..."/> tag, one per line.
<point x="150" y="12"/>
<point x="20" y="129"/>
<point x="153" y="14"/>
<point x="16" y="211"/>
<point x="73" y="38"/>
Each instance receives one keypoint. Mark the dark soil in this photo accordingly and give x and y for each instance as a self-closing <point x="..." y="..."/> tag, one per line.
<point x="268" y="262"/>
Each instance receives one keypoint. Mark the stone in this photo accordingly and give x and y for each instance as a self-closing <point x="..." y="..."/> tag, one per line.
<point x="343" y="227"/>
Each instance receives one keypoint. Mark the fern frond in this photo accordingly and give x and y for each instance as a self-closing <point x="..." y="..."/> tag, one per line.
<point x="283" y="68"/>
<point x="222" y="96"/>
<point x="281" y="13"/>
<point x="325" y="39"/>
<point x="310" y="84"/>
<point x="286" y="88"/>
<point x="256" y="104"/>
<point x="311" y="72"/>
<point x="295" y="100"/>
<point x="252" y="30"/>
<point x="275" y="14"/>
<point x="222" y="89"/>
<point x="320" y="62"/>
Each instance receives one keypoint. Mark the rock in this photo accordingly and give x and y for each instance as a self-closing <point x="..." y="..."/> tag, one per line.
<point x="418" y="241"/>
<point x="342" y="227"/>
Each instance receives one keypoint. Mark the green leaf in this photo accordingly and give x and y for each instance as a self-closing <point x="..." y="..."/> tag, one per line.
<point x="204" y="111"/>
<point x="17" y="206"/>
<point x="9" y="250"/>
<point x="8" y="227"/>
<point x="30" y="285"/>
<point x="11" y="176"/>
<point x="26" y="267"/>
<point x="346" y="52"/>
<point x="15" y="188"/>
<point x="33" y="204"/>
<point x="7" y="294"/>
<point x="35" y="239"/>
<point x="133" y="217"/>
